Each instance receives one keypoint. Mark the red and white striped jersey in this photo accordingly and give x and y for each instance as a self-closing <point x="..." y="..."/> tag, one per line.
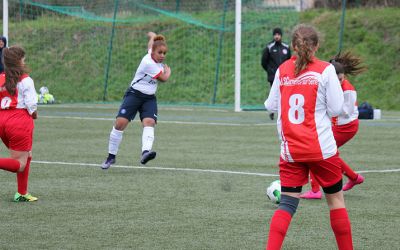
<point x="305" y="105"/>
<point x="350" y="106"/>
<point x="25" y="96"/>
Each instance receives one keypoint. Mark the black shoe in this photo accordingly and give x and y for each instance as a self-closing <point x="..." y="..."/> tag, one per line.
<point x="271" y="116"/>
<point x="108" y="162"/>
<point x="147" y="156"/>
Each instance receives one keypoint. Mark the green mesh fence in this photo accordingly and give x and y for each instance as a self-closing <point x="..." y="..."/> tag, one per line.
<point x="89" y="50"/>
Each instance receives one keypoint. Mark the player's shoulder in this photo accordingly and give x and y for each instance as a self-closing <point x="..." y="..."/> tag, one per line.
<point x="285" y="45"/>
<point x="320" y="66"/>
<point x="346" y="85"/>
<point x="271" y="44"/>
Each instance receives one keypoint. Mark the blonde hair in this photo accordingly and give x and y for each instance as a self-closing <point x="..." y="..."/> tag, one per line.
<point x="351" y="63"/>
<point x="305" y="40"/>
<point x="158" y="40"/>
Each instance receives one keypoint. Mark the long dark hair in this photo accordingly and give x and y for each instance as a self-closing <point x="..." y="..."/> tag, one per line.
<point x="348" y="63"/>
<point x="13" y="67"/>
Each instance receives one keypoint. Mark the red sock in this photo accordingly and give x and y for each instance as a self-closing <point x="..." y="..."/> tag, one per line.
<point x="277" y="230"/>
<point x="340" y="224"/>
<point x="9" y="164"/>
<point x="314" y="183"/>
<point x="348" y="171"/>
<point x="22" y="178"/>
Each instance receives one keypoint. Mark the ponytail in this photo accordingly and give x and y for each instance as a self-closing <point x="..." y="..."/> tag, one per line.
<point x="13" y="67"/>
<point x="158" y="40"/>
<point x="305" y="40"/>
<point x="351" y="63"/>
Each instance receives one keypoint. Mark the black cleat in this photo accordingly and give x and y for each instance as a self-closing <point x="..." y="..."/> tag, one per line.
<point x="147" y="156"/>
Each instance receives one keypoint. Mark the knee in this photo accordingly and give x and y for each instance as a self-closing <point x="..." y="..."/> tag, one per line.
<point x="147" y="122"/>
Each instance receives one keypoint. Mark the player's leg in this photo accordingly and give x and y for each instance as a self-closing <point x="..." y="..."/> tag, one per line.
<point x="328" y="174"/>
<point x="315" y="192"/>
<point x="148" y="115"/>
<point x="343" y="134"/>
<point x="126" y="113"/>
<point x="293" y="176"/>
<point x="22" y="194"/>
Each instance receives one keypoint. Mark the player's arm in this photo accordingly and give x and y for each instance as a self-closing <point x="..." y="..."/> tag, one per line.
<point x="30" y="96"/>
<point x="334" y="92"/>
<point x="151" y="36"/>
<point x="265" y="58"/>
<point x="165" y="74"/>
<point x="349" y="102"/>
<point x="271" y="104"/>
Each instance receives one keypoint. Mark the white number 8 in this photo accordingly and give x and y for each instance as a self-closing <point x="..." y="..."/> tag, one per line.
<point x="296" y="111"/>
<point x="5" y="102"/>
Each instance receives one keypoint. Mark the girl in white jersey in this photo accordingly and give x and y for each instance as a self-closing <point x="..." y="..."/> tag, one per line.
<point x="306" y="93"/>
<point x="18" y="108"/>
<point x="344" y="126"/>
<point x="140" y="97"/>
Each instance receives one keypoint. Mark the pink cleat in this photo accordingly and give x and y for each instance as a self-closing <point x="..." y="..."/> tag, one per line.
<point x="311" y="195"/>
<point x="350" y="184"/>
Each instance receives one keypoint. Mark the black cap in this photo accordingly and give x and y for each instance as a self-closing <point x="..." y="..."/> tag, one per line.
<point x="277" y="31"/>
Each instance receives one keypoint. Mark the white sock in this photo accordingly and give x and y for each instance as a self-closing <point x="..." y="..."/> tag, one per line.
<point x="114" y="141"/>
<point x="147" y="138"/>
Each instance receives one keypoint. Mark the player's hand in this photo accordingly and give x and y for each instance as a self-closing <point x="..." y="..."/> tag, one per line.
<point x="167" y="70"/>
<point x="34" y="115"/>
<point x="151" y="34"/>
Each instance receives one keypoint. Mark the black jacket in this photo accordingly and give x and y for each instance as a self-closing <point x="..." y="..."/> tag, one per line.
<point x="274" y="54"/>
<point x="1" y="53"/>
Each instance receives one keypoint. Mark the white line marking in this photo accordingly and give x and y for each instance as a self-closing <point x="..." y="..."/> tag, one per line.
<point x="161" y="122"/>
<point x="159" y="168"/>
<point x="193" y="169"/>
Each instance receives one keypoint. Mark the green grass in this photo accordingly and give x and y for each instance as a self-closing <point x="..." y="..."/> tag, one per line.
<point x="84" y="207"/>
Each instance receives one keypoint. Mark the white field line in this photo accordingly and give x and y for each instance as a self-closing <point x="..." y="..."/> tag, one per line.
<point x="191" y="169"/>
<point x="159" y="168"/>
<point x="170" y="122"/>
<point x="110" y="106"/>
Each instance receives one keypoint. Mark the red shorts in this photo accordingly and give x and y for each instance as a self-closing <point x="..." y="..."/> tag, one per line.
<point x="343" y="133"/>
<point x="327" y="172"/>
<point x="16" y="129"/>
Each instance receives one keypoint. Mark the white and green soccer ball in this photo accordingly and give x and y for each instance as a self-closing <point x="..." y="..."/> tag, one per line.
<point x="274" y="191"/>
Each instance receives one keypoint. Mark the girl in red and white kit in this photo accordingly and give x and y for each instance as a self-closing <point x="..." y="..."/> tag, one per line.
<point x="18" y="108"/>
<point x="344" y="126"/>
<point x="306" y="93"/>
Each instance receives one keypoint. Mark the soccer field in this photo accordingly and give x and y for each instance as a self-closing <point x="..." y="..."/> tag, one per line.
<point x="205" y="189"/>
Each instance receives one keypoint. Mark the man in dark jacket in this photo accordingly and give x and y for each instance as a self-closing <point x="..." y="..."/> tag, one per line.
<point x="274" y="54"/>
<point x="3" y="44"/>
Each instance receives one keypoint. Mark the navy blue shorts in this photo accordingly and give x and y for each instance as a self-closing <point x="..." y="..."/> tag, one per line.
<point x="135" y="101"/>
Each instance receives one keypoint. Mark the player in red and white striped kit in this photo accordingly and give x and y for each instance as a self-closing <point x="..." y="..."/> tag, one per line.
<point x="18" y="100"/>
<point x="344" y="126"/>
<point x="306" y="93"/>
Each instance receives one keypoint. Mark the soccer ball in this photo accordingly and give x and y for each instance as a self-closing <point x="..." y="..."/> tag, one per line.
<point x="274" y="191"/>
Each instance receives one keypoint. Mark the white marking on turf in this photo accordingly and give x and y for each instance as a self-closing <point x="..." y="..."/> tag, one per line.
<point x="193" y="169"/>
<point x="159" y="168"/>
<point x="161" y="122"/>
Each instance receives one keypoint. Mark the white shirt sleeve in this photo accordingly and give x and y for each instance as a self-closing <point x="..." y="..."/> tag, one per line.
<point x="271" y="104"/>
<point x="334" y="92"/>
<point x="29" y="94"/>
<point x="349" y="103"/>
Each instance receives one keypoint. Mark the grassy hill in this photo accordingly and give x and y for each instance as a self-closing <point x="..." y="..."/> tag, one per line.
<point x="72" y="60"/>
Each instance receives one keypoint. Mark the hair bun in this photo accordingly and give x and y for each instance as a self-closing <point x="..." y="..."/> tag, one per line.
<point x="159" y="38"/>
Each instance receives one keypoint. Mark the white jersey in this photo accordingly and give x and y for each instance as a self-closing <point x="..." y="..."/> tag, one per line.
<point x="24" y="98"/>
<point x="146" y="75"/>
<point x="305" y="105"/>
